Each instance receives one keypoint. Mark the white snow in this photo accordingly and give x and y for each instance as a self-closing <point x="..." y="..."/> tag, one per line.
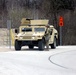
<point x="60" y="61"/>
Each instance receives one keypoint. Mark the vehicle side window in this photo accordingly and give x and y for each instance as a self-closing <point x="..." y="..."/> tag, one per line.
<point x="39" y="29"/>
<point x="51" y="31"/>
<point x="26" y="29"/>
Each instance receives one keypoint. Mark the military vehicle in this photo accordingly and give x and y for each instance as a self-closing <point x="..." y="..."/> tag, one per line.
<point x="32" y="33"/>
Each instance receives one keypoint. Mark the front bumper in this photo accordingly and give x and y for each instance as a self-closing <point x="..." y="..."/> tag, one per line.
<point x="35" y="43"/>
<point x="29" y="38"/>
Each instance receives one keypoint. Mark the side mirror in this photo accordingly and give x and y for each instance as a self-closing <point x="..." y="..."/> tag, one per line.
<point x="16" y="31"/>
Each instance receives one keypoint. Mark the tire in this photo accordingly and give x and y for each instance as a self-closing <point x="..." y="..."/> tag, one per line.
<point x="41" y="45"/>
<point x="17" y="45"/>
<point x="53" y="46"/>
<point x="31" y="46"/>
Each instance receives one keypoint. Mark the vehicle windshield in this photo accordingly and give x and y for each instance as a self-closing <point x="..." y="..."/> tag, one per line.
<point x="26" y="29"/>
<point x="39" y="29"/>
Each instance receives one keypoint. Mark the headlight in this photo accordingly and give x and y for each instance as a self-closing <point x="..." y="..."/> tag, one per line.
<point x="33" y="37"/>
<point x="21" y="37"/>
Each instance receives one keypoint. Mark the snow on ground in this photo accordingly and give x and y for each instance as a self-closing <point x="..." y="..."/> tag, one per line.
<point x="60" y="61"/>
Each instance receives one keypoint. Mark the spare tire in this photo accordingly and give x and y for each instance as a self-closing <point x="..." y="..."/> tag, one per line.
<point x="53" y="46"/>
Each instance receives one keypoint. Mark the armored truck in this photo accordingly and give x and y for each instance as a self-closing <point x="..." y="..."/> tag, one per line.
<point x="32" y="33"/>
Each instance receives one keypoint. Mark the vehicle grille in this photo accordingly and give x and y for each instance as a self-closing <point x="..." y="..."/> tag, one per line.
<point x="27" y="37"/>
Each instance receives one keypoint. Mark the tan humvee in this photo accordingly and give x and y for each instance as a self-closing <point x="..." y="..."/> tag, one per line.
<point x="31" y="33"/>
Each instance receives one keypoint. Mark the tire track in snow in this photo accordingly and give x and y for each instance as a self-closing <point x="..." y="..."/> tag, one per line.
<point x="56" y="55"/>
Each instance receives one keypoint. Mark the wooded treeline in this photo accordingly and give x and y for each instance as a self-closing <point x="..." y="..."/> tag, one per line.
<point x="15" y="10"/>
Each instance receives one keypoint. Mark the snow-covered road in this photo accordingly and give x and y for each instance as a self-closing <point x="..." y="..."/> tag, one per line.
<point x="61" y="61"/>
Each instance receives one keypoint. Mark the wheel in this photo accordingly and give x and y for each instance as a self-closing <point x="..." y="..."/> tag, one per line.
<point x="41" y="45"/>
<point x="53" y="46"/>
<point x="31" y="46"/>
<point x="17" y="45"/>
